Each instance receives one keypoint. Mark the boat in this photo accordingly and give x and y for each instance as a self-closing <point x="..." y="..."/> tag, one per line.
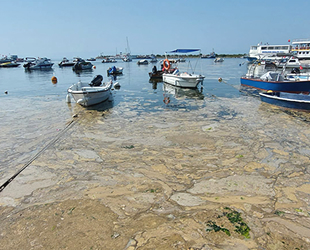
<point x="276" y="82"/>
<point x="156" y="74"/>
<point x="108" y="60"/>
<point x="5" y="59"/>
<point x="301" y="48"/>
<point x="37" y="63"/>
<point x="143" y="62"/>
<point x="81" y="64"/>
<point x="88" y="94"/>
<point x="210" y="56"/>
<point x="9" y="65"/>
<point x="268" y="52"/>
<point x="115" y="70"/>
<point x="219" y="59"/>
<point x="181" y="79"/>
<point x="66" y="63"/>
<point x="92" y="59"/>
<point x="153" y="59"/>
<point x="287" y="100"/>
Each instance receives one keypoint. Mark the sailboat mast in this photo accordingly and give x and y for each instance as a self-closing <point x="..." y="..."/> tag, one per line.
<point x="128" y="49"/>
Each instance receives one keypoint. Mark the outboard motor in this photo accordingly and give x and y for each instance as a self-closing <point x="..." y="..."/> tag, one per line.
<point x="295" y="71"/>
<point x="96" y="81"/>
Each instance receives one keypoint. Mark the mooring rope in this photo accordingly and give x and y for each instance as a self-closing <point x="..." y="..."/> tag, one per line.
<point x="37" y="155"/>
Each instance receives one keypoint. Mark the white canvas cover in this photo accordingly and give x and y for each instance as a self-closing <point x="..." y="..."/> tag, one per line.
<point x="272" y="76"/>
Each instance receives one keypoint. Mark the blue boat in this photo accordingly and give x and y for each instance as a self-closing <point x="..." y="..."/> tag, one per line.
<point x="287" y="100"/>
<point x="274" y="81"/>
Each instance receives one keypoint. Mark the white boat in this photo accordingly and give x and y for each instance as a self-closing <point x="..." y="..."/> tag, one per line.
<point x="268" y="52"/>
<point x="301" y="48"/>
<point x="143" y="62"/>
<point x="37" y="63"/>
<point x="181" y="79"/>
<point x="219" y="59"/>
<point x="88" y="94"/>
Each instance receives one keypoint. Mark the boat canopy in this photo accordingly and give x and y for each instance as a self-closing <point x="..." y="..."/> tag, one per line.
<point x="183" y="50"/>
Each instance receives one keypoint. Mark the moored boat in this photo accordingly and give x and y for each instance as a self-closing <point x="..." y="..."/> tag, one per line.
<point x="90" y="94"/>
<point x="219" y="59"/>
<point x="66" y="63"/>
<point x="301" y="48"/>
<point x="267" y="52"/>
<point x="181" y="79"/>
<point x="81" y="64"/>
<point x="287" y="100"/>
<point x="115" y="70"/>
<point x="9" y="65"/>
<point x="275" y="81"/>
<point x="38" y="63"/>
<point x="143" y="62"/>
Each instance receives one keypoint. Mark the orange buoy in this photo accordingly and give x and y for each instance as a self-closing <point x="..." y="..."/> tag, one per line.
<point x="54" y="79"/>
<point x="94" y="67"/>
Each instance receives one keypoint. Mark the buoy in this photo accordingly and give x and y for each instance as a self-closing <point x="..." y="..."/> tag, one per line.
<point x="94" y="67"/>
<point x="54" y="79"/>
<point x="6" y="92"/>
<point x="220" y="79"/>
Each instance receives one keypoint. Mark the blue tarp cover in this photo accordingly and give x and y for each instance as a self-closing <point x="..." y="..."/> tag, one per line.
<point x="183" y="50"/>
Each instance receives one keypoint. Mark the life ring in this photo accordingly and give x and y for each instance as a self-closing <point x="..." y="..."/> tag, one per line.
<point x="166" y="64"/>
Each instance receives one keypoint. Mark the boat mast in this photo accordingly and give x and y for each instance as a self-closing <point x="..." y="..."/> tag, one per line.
<point x="128" y="49"/>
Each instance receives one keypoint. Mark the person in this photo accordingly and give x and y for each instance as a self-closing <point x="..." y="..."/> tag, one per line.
<point x="154" y="70"/>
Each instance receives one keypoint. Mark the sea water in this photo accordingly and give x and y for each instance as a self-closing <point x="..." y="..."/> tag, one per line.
<point x="33" y="109"/>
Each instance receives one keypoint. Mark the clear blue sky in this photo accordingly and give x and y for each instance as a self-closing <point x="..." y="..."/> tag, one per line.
<point x="58" y="28"/>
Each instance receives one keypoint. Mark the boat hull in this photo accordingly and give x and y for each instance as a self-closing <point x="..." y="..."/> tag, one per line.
<point x="88" y="96"/>
<point x="287" y="100"/>
<point x="277" y="86"/>
<point x="183" y="80"/>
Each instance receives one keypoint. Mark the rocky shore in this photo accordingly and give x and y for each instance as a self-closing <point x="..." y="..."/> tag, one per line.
<point x="232" y="175"/>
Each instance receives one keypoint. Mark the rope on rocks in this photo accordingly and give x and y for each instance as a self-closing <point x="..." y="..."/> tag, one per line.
<point x="37" y="155"/>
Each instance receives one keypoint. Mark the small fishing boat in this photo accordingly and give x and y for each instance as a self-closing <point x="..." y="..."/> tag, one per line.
<point x="108" y="60"/>
<point x="219" y="59"/>
<point x="37" y="63"/>
<point x="275" y="81"/>
<point x="66" y="63"/>
<point x="88" y="94"/>
<point x="181" y="79"/>
<point x="287" y="100"/>
<point x="115" y="70"/>
<point x="143" y="62"/>
<point x="81" y="64"/>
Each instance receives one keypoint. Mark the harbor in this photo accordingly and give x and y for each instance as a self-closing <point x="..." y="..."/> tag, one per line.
<point x="136" y="172"/>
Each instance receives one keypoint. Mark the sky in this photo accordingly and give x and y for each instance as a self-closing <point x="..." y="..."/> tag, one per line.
<point x="88" y="28"/>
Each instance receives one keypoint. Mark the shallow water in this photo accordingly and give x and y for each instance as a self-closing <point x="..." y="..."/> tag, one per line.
<point x="34" y="111"/>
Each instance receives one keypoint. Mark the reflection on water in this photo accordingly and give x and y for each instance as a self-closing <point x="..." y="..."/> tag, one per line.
<point x="183" y="92"/>
<point x="85" y="72"/>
